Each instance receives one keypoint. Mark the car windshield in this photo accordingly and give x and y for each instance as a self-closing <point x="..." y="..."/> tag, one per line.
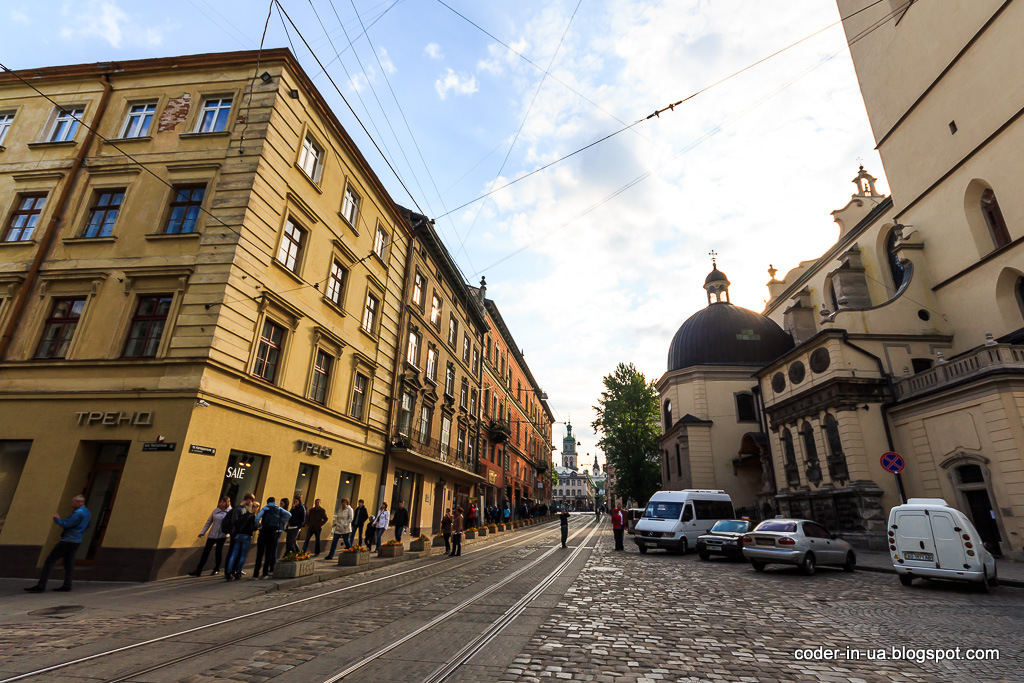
<point x="732" y="525"/>
<point x="663" y="510"/>
<point x="788" y="527"/>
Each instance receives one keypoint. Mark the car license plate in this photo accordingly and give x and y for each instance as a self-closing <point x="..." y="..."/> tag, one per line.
<point x="920" y="557"/>
<point x="765" y="541"/>
<point x="714" y="546"/>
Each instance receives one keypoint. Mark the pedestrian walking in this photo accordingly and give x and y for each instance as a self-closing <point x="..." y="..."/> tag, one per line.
<point x="457" y="529"/>
<point x="563" y="519"/>
<point x="362" y="516"/>
<point x="342" y="528"/>
<point x="379" y="524"/>
<point x="74" y="526"/>
<point x="272" y="520"/>
<point x="400" y="519"/>
<point x="243" y="526"/>
<point x="446" y="530"/>
<point x="617" y="528"/>
<point x="315" y="521"/>
<point x="295" y="524"/>
<point x="215" y="524"/>
<point x="229" y="523"/>
<point x="597" y="513"/>
<point x="471" y="522"/>
<point x="507" y="513"/>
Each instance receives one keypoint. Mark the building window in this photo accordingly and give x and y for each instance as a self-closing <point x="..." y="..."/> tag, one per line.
<point x="994" y="218"/>
<point x="65" y="124"/>
<point x="268" y="353"/>
<point x="472" y="401"/>
<point x="321" y="377"/>
<point x="186" y="203"/>
<point x="147" y="326"/>
<point x="837" y="469"/>
<point x="746" y="411"/>
<point x="426" y="415"/>
<point x="290" y="253"/>
<point x="435" y="311"/>
<point x="350" y="206"/>
<point x="464" y="394"/>
<point x="370" y="313"/>
<point x="336" y="283"/>
<point x="412" y="353"/>
<point x="24" y="217"/>
<point x="668" y="415"/>
<point x="1020" y="294"/>
<point x="449" y="381"/>
<point x="380" y="241"/>
<point x="460" y="444"/>
<point x="453" y="331"/>
<point x="6" y="120"/>
<point x="476" y="360"/>
<point x="60" y="327"/>
<point x="465" y="348"/>
<point x="213" y="118"/>
<point x="789" y="458"/>
<point x="311" y="158"/>
<point x="359" y="396"/>
<point x="405" y="414"/>
<point x="431" y="363"/>
<point x="103" y="213"/>
<point x="895" y="267"/>
<point x="418" y="285"/>
<point x="446" y="434"/>
<point x="140" y="116"/>
<point x="813" y="469"/>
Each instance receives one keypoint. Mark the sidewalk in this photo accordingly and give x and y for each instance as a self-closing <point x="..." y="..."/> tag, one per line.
<point x="1010" y="573"/>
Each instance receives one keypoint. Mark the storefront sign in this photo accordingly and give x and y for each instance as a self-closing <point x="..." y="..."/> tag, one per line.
<point x="237" y="472"/>
<point x="202" y="450"/>
<point x="492" y="476"/>
<point x="158" y="446"/>
<point x="316" y="449"/>
<point x="115" y="419"/>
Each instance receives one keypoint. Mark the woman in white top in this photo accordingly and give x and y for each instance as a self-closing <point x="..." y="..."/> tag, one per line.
<point x="216" y="538"/>
<point x="342" y="527"/>
<point x="380" y="523"/>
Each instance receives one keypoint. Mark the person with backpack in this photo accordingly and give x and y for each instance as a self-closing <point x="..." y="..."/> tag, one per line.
<point x="73" y="526"/>
<point x="272" y="520"/>
<point x="216" y="524"/>
<point x="315" y="522"/>
<point x="243" y="526"/>
<point x="295" y="524"/>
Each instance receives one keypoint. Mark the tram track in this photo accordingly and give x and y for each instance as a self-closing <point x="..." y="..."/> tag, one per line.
<point x="488" y="552"/>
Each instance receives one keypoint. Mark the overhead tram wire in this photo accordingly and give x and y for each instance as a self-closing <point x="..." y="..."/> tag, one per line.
<point x="714" y="131"/>
<point x="372" y="23"/>
<point x="670" y="107"/>
<point x="285" y="27"/>
<point x="551" y="62"/>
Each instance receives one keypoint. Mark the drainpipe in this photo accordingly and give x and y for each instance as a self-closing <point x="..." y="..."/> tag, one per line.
<point x="51" y="228"/>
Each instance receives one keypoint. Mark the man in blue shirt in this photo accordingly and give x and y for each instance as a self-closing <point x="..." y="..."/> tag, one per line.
<point x="272" y="519"/>
<point x="74" y="526"/>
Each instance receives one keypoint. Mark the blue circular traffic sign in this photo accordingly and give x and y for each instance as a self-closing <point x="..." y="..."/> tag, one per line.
<point x="893" y="462"/>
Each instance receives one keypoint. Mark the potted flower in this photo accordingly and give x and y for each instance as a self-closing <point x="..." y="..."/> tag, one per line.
<point x="391" y="549"/>
<point x="438" y="540"/>
<point x="493" y="528"/>
<point x="293" y="565"/>
<point x="481" y="531"/>
<point x="470" y="533"/>
<point x="355" y="556"/>
<point x="423" y="544"/>
<point x="501" y="526"/>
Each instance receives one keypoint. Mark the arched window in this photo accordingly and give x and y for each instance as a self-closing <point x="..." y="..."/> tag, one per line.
<point x="994" y="218"/>
<point x="679" y="462"/>
<point x="813" y="468"/>
<point x="1019" y="291"/>
<point x="895" y="267"/>
<point x="837" y="470"/>
<point x="792" y="471"/>
<point x="668" y="415"/>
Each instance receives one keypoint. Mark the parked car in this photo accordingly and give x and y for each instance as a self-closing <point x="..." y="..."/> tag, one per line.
<point x="724" y="538"/>
<point x="633" y="516"/>
<point x="799" y="542"/>
<point x="674" y="519"/>
<point x="930" y="539"/>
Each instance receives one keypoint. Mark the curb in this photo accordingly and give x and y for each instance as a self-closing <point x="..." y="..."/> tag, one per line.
<point x="1009" y="583"/>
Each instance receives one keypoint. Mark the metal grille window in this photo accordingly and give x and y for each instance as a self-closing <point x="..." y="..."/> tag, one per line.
<point x="147" y="326"/>
<point x="290" y="253"/>
<point x="370" y="313"/>
<point x="214" y="116"/>
<point x="103" y="213"/>
<point x="350" y="206"/>
<point x="380" y="242"/>
<point x="60" y="327"/>
<point x="268" y="353"/>
<point x="65" y="124"/>
<point x="186" y="203"/>
<point x="24" y="217"/>
<point x="359" y="396"/>
<point x="336" y="283"/>
<point x="140" y="117"/>
<point x="321" y="377"/>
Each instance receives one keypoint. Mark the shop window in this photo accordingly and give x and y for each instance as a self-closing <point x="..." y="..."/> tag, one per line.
<point x="321" y="377"/>
<point x="305" y="483"/>
<point x="60" y="327"/>
<point x="13" y="456"/>
<point x="348" y="487"/>
<point x="23" y="220"/>
<point x="100" y="494"/>
<point x="186" y="203"/>
<point x="269" y="351"/>
<point x="147" y="326"/>
<point x="746" y="411"/>
<point x="243" y="475"/>
<point x="402" y="492"/>
<point x="359" y="396"/>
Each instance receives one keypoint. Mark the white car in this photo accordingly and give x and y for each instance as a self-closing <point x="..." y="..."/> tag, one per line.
<point x="800" y="542"/>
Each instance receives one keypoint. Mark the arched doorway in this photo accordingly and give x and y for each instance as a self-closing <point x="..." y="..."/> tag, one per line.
<point x="970" y="477"/>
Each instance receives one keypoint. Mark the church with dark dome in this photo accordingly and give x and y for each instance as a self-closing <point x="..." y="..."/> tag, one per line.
<point x="712" y="436"/>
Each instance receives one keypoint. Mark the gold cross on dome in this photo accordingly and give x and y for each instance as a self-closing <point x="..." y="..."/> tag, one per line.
<point x="713" y="254"/>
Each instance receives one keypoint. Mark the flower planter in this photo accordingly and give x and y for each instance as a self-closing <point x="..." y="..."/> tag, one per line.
<point x="471" y="534"/>
<point x="390" y="551"/>
<point x="439" y="542"/>
<point x="482" y="532"/>
<point x="291" y="570"/>
<point x="420" y="547"/>
<point x="353" y="559"/>
<point x="501" y="527"/>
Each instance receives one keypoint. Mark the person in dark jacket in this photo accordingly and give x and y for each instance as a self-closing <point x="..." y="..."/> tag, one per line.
<point x="458" y="526"/>
<point x="446" y="530"/>
<point x="243" y="526"/>
<point x="272" y="520"/>
<point x="361" y="517"/>
<point x="295" y="524"/>
<point x="229" y="521"/>
<point x="314" y="526"/>
<point x="400" y="519"/>
<point x="215" y="524"/>
<point x="74" y="526"/>
<point x="563" y="518"/>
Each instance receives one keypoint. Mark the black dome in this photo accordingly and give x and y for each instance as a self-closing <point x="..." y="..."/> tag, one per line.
<point x="723" y="334"/>
<point x="716" y="276"/>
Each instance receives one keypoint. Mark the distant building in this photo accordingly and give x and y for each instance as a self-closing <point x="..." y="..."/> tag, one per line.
<point x="575" y="490"/>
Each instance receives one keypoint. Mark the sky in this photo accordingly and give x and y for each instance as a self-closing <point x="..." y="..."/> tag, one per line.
<point x="599" y="258"/>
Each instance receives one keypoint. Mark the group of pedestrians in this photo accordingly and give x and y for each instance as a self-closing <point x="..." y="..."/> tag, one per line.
<point x="452" y="528"/>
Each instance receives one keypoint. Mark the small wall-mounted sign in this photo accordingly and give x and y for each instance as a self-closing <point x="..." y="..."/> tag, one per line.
<point x="316" y="449"/>
<point x="202" y="450"/>
<point x="158" y="446"/>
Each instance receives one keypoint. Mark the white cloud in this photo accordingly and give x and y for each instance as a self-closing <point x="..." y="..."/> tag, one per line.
<point x="458" y="83"/>
<point x="19" y="17"/>
<point x="433" y="50"/>
<point x="105" y="20"/>
<point x="385" y="60"/>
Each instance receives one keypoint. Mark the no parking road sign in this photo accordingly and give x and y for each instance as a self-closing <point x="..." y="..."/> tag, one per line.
<point x="893" y="462"/>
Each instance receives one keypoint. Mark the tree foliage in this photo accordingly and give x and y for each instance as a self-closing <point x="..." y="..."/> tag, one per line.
<point x="627" y="420"/>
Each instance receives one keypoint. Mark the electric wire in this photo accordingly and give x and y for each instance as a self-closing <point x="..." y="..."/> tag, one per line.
<point x="285" y="27"/>
<point x="371" y="25"/>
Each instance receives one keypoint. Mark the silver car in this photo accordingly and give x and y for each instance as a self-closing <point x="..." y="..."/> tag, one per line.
<point x="799" y="542"/>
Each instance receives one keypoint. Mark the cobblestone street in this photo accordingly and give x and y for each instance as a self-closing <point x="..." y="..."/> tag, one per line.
<point x="660" y="617"/>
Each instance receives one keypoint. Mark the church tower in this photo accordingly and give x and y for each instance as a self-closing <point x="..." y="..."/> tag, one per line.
<point x="569" y="448"/>
<point x="597" y="467"/>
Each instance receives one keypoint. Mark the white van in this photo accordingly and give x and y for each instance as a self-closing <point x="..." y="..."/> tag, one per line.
<point x="674" y="519"/>
<point x="930" y="539"/>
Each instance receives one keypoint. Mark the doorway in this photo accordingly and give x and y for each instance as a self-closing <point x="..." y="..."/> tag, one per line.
<point x="100" y="493"/>
<point x="974" y="489"/>
<point x="438" y="507"/>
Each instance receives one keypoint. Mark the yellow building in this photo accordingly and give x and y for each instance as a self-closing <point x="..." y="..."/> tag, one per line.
<point x="201" y="285"/>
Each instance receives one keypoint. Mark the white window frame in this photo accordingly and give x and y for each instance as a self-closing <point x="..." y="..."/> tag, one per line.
<point x="6" y="121"/>
<point x="311" y="158"/>
<point x="380" y="240"/>
<point x="138" y="120"/>
<point x="412" y="353"/>
<point x="214" y="105"/>
<point x="370" y="315"/>
<point x="435" y="311"/>
<point x="350" y="206"/>
<point x="359" y="389"/>
<point x="65" y="122"/>
<point x="419" y="283"/>
<point x="431" y="363"/>
<point x="446" y="433"/>
<point x="294" y="235"/>
<point x="336" y="285"/>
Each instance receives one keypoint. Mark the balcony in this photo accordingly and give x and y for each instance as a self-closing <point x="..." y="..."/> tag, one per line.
<point x="981" y="361"/>
<point x="432" y="449"/>
<point x="499" y="430"/>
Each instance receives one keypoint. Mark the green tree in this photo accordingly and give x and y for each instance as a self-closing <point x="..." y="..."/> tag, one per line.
<point x="627" y="420"/>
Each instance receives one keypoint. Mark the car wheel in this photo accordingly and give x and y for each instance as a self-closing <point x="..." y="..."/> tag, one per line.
<point x="683" y="546"/>
<point x="808" y="565"/>
<point x="643" y="549"/>
<point x="906" y="579"/>
<point x="851" y="562"/>
<point x="985" y="586"/>
<point x="757" y="565"/>
<point x="703" y="554"/>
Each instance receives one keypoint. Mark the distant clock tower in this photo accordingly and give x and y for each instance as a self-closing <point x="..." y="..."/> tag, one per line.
<point x="569" y="448"/>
